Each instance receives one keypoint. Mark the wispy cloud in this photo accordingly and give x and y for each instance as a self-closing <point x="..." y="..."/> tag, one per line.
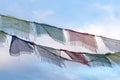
<point x="41" y="71"/>
<point x="105" y="27"/>
<point x="105" y="7"/>
<point x="106" y="24"/>
<point x="102" y="20"/>
<point x="41" y="15"/>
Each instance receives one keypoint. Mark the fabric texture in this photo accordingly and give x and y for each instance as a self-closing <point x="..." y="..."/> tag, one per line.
<point x="2" y="36"/>
<point x="115" y="57"/>
<point x="112" y="44"/>
<point x="20" y="28"/>
<point x="98" y="60"/>
<point x="19" y="46"/>
<point x="76" y="56"/>
<point x="49" y="55"/>
<point x="54" y="32"/>
<point x="83" y="39"/>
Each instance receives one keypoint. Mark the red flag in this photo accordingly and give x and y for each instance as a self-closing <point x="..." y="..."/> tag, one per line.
<point x="77" y="56"/>
<point x="85" y="39"/>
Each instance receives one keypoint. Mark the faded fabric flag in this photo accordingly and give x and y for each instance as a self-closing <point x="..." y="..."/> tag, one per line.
<point x="19" y="27"/>
<point x="97" y="60"/>
<point x="115" y="57"/>
<point x="3" y="38"/>
<point x="19" y="46"/>
<point x="54" y="32"/>
<point x="83" y="39"/>
<point x="112" y="44"/>
<point x="49" y="55"/>
<point x="76" y="56"/>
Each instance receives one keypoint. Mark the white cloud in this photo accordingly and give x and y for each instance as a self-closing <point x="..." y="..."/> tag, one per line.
<point x="107" y="27"/>
<point x="107" y="24"/>
<point x="11" y="62"/>
<point x="102" y="27"/>
<point x="107" y="7"/>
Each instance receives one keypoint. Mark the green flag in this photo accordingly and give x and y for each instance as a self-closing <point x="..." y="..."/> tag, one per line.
<point x="115" y="57"/>
<point x="98" y="60"/>
<point x="2" y="36"/>
<point x="54" y="32"/>
<point x="20" y="27"/>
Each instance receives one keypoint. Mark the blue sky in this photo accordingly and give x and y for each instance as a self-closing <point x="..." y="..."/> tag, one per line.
<point x="61" y="13"/>
<point x="92" y="16"/>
